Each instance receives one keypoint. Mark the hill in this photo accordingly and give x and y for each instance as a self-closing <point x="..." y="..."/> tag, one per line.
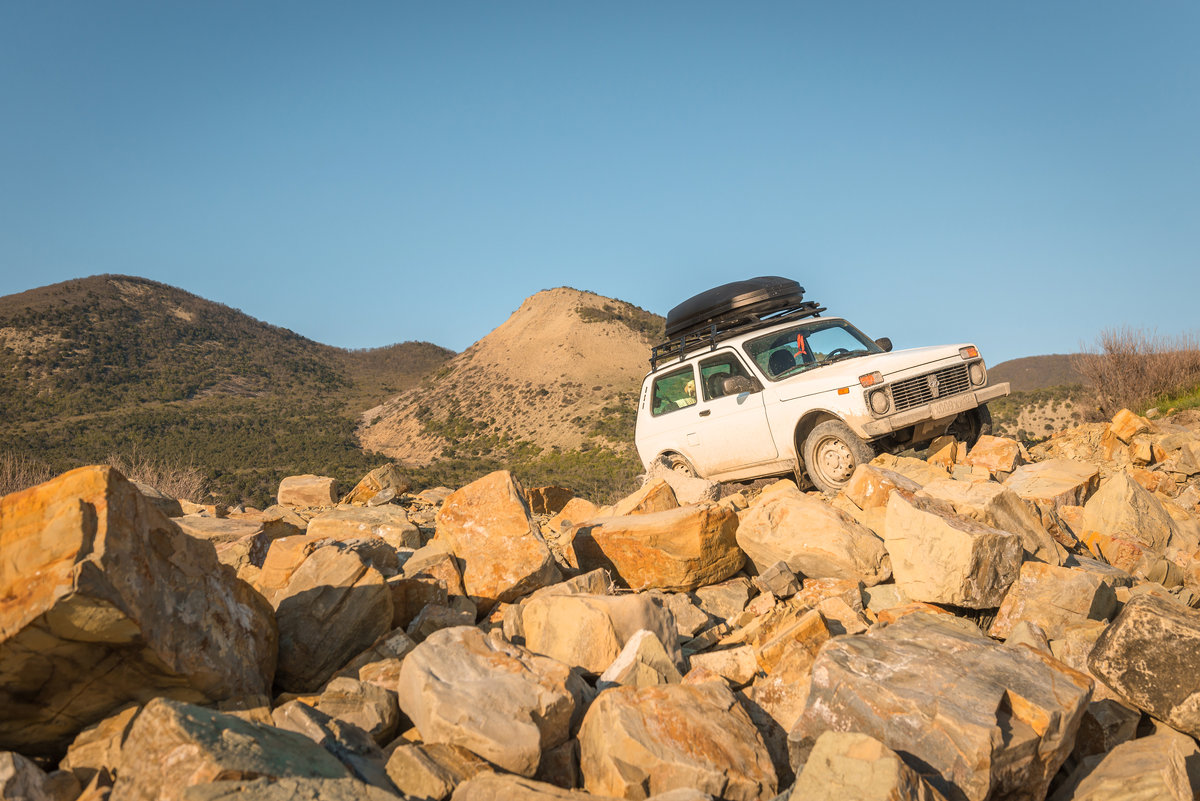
<point x="106" y="364"/>
<point x="555" y="383"/>
<point x="1036" y="372"/>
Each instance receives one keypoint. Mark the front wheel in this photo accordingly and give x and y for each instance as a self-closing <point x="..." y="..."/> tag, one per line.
<point x="831" y="452"/>
<point x="970" y="425"/>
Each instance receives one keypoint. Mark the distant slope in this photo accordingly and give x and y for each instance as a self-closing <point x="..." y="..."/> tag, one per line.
<point x="1036" y="372"/>
<point x="104" y="364"/>
<point x="562" y="373"/>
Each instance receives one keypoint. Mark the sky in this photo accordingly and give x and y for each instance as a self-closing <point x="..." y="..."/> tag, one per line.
<point x="1021" y="175"/>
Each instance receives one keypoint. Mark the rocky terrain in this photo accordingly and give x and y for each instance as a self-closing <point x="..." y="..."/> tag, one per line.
<point x="982" y="624"/>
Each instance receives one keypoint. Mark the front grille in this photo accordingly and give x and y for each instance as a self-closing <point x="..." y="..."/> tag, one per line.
<point x="917" y="390"/>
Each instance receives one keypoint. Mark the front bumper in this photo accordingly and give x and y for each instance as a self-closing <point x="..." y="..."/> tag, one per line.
<point x="939" y="409"/>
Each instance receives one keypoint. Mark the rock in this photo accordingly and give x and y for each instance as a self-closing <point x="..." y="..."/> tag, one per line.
<point x="98" y="747"/>
<point x="432" y="771"/>
<point x="1154" y="767"/>
<point x="1000" y="508"/>
<point x="383" y="479"/>
<point x="643" y="661"/>
<point x="435" y="561"/>
<point x="779" y="580"/>
<point x="590" y="631"/>
<point x="435" y="617"/>
<point x="22" y="780"/>
<point x="811" y="537"/>
<point x="1054" y="597"/>
<point x="213" y="746"/>
<point x="655" y="495"/>
<point x="307" y="491"/>
<point x="288" y="789"/>
<point x="678" y="549"/>
<point x="1025" y="632"/>
<point x="97" y="582"/>
<point x="688" y="489"/>
<point x="371" y="708"/>
<point x="941" y="557"/>
<point x="947" y="452"/>
<point x="1105" y="725"/>
<point x="871" y="485"/>
<point x="726" y="599"/>
<point x="391" y="647"/>
<point x="1055" y="483"/>
<point x="411" y="595"/>
<point x="388" y="523"/>
<point x="346" y="742"/>
<point x="998" y="455"/>
<point x="736" y="665"/>
<point x="845" y="765"/>
<point x="1123" y="509"/>
<point x="1151" y="656"/>
<point x="979" y="720"/>
<point x="506" y="787"/>
<point x="637" y="742"/>
<point x="918" y="470"/>
<point x="1126" y="425"/>
<point x="497" y="700"/>
<point x="548" y="500"/>
<point x="329" y="603"/>
<point x="689" y="618"/>
<point x="487" y="526"/>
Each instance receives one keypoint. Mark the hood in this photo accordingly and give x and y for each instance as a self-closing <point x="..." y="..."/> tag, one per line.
<point x="845" y="373"/>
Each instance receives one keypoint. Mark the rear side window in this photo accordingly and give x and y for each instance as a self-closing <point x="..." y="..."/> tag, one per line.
<point x="715" y="371"/>
<point x="673" y="390"/>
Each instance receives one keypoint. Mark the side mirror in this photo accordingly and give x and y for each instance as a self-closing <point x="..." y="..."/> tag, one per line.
<point x="736" y="385"/>
<point x="884" y="343"/>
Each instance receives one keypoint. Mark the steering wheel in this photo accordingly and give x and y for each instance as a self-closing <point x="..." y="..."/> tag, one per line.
<point x="835" y="352"/>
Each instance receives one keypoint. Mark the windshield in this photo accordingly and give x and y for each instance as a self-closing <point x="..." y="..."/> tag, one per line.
<point x="806" y="346"/>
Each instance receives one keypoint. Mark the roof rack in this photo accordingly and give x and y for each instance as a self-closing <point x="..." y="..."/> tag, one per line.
<point x="696" y="339"/>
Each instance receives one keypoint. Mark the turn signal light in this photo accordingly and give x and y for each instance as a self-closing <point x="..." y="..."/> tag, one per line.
<point x="871" y="379"/>
<point x="969" y="353"/>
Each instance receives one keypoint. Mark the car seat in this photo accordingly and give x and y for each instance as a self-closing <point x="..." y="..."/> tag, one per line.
<point x="781" y="361"/>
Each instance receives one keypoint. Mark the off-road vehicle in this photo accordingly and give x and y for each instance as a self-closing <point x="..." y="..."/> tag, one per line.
<point x="753" y="381"/>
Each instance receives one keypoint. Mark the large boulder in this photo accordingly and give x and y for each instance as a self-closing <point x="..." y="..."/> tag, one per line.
<point x="1123" y="509"/>
<point x="1054" y="598"/>
<point x="994" y="505"/>
<point x="307" y="491"/>
<point x="286" y="789"/>
<point x="678" y="549"/>
<point x="811" y="537"/>
<point x="379" y="486"/>
<point x="998" y="455"/>
<point x="173" y="746"/>
<point x="498" y="700"/>
<point x="330" y="604"/>
<point x="977" y="719"/>
<point x="638" y="742"/>
<point x="96" y="582"/>
<point x="1055" y="483"/>
<point x="1150" y="655"/>
<point x="589" y="631"/>
<point x="388" y="523"/>
<point x="1153" y="768"/>
<point x="488" y="527"/>
<point x="941" y="557"/>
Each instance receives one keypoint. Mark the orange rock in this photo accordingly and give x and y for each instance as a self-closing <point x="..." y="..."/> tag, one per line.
<point x="655" y="495"/>
<point x="1147" y="478"/>
<point x="871" y="485"/>
<point x="307" y="490"/>
<point x="1126" y="425"/>
<point x="548" y="500"/>
<point x="576" y="511"/>
<point x="996" y="454"/>
<point x="897" y="612"/>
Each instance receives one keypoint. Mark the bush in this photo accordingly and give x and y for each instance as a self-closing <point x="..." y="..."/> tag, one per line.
<point x="20" y="471"/>
<point x="169" y="476"/>
<point x="1131" y="368"/>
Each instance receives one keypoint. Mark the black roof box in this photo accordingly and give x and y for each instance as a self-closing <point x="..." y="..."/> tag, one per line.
<point x="733" y="304"/>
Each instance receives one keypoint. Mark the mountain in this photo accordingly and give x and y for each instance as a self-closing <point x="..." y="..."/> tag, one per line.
<point x="98" y="366"/>
<point x="1036" y="372"/>
<point x="561" y="374"/>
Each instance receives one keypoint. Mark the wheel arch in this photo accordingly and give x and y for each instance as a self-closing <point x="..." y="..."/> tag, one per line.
<point x="806" y="424"/>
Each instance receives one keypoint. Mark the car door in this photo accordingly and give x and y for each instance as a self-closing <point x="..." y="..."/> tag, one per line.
<point x="732" y="429"/>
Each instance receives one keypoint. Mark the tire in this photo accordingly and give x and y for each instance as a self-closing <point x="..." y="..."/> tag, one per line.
<point x="679" y="464"/>
<point x="831" y="452"/>
<point x="969" y="426"/>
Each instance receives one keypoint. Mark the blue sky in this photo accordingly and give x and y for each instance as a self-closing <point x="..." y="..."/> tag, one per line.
<point x="1018" y="174"/>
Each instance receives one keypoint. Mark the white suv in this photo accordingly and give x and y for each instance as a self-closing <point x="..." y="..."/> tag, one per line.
<point x="754" y="382"/>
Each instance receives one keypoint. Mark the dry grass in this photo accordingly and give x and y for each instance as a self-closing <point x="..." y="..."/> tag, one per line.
<point x="20" y="471"/>
<point x="169" y="476"/>
<point x="1131" y="368"/>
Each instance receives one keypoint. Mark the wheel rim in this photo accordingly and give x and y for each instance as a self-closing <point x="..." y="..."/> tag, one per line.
<point x="833" y="461"/>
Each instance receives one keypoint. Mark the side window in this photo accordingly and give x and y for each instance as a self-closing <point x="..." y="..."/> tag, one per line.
<point x="674" y="390"/>
<point x="715" y="372"/>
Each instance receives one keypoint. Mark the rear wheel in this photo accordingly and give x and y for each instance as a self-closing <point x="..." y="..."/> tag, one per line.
<point x="831" y="452"/>
<point x="679" y="464"/>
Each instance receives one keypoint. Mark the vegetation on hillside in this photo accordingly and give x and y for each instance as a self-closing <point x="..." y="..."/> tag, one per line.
<point x="636" y="319"/>
<point x="1134" y="369"/>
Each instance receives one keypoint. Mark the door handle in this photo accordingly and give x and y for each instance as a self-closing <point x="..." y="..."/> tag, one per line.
<point x="706" y="413"/>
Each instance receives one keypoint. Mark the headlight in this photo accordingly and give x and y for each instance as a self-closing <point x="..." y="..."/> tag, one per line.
<point x="879" y="401"/>
<point x="978" y="373"/>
